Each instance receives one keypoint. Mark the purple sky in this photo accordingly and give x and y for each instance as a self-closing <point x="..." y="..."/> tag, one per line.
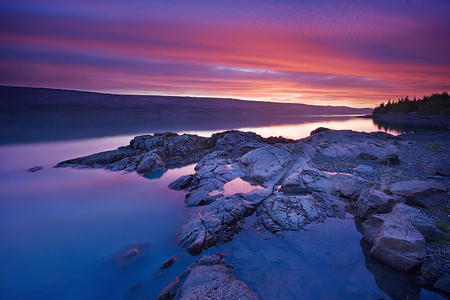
<point x="355" y="53"/>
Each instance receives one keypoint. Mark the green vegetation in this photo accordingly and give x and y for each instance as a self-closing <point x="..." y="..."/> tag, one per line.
<point x="430" y="105"/>
<point x="441" y="225"/>
<point x="436" y="146"/>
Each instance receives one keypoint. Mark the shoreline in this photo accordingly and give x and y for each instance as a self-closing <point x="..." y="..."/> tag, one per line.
<point x="435" y="120"/>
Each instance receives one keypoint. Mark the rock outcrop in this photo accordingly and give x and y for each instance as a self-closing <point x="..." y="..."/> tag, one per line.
<point x="209" y="277"/>
<point x="395" y="241"/>
<point x="426" y="194"/>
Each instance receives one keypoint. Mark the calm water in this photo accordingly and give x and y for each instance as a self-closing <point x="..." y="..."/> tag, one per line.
<point x="64" y="230"/>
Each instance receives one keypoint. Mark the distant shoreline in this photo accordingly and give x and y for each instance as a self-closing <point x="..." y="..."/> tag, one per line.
<point x="437" y="120"/>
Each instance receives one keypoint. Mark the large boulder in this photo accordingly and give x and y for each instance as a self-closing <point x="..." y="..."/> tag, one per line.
<point x="209" y="277"/>
<point x="420" y="221"/>
<point x="268" y="164"/>
<point x="426" y="194"/>
<point x="395" y="241"/>
<point x="352" y="189"/>
<point x="372" y="202"/>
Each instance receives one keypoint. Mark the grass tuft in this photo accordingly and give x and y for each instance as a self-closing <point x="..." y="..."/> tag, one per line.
<point x="441" y="225"/>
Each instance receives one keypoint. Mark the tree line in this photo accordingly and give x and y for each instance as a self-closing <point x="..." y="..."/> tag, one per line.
<point x="429" y="105"/>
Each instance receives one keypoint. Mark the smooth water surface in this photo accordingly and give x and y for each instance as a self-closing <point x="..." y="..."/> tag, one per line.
<point x="63" y="232"/>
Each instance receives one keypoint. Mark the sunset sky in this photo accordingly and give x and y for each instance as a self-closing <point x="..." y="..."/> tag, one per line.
<point x="355" y="53"/>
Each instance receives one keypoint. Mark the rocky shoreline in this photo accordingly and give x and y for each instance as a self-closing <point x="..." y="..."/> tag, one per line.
<point x="328" y="174"/>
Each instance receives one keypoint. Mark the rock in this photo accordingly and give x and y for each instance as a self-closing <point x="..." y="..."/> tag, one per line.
<point x="35" y="169"/>
<point x="352" y="189"/>
<point x="389" y="160"/>
<point x="367" y="156"/>
<point x="435" y="168"/>
<point x="198" y="198"/>
<point x="338" y="143"/>
<point x="319" y="130"/>
<point x="168" y="263"/>
<point x="236" y="142"/>
<point x="152" y="162"/>
<point x="363" y="169"/>
<point x="280" y="213"/>
<point x="420" y="221"/>
<point x="181" y="183"/>
<point x="209" y="277"/>
<point x="267" y="164"/>
<point x="426" y="194"/>
<point x="372" y="202"/>
<point x="395" y="241"/>
<point x="219" y="221"/>
<point x="429" y="272"/>
<point x="443" y="285"/>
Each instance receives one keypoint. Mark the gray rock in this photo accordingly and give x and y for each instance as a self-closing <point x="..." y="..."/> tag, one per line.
<point x="426" y="194"/>
<point x="352" y="189"/>
<point x="268" y="164"/>
<point x="395" y="241"/>
<point x="337" y="143"/>
<point x="152" y="162"/>
<point x="198" y="198"/>
<point x="35" y="169"/>
<point x="363" y="169"/>
<point x="181" y="183"/>
<point x="319" y="130"/>
<point x="367" y="156"/>
<point x="372" y="202"/>
<point x="209" y="277"/>
<point x="420" y="221"/>
<point x="219" y="221"/>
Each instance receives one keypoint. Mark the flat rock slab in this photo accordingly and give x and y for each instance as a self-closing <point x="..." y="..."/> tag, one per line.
<point x="426" y="194"/>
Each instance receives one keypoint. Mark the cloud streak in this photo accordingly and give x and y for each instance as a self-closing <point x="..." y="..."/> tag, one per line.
<point x="321" y="52"/>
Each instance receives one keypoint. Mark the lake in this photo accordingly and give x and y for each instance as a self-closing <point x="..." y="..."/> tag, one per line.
<point x="64" y="230"/>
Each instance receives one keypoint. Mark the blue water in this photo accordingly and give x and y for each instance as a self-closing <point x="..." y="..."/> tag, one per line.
<point x="64" y="230"/>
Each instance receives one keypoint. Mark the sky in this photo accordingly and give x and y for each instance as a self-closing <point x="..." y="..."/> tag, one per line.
<point x="355" y="53"/>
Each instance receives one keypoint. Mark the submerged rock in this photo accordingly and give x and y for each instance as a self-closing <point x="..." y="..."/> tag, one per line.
<point x="209" y="277"/>
<point x="426" y="194"/>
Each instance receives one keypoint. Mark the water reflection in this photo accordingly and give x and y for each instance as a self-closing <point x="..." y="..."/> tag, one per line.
<point x="397" y="128"/>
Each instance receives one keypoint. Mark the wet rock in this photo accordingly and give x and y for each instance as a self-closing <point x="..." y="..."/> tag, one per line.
<point x="395" y="241"/>
<point x="430" y="271"/>
<point x="219" y="221"/>
<point x="209" y="277"/>
<point x="373" y="202"/>
<point x="390" y="159"/>
<point x="152" y="162"/>
<point x="198" y="198"/>
<point x="181" y="183"/>
<point x="35" y="169"/>
<point x="168" y="263"/>
<point x="352" y="189"/>
<point x="420" y="221"/>
<point x="426" y="194"/>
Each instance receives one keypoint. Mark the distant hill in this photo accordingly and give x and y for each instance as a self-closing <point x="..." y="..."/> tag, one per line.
<point x="39" y="114"/>
<point x="21" y="100"/>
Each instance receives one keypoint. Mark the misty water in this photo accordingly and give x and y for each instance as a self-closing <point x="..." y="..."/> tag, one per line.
<point x="63" y="232"/>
